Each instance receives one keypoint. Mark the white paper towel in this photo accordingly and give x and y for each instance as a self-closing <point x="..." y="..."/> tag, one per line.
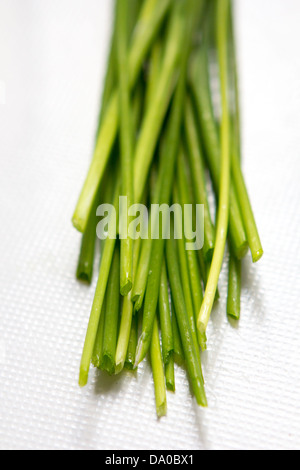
<point x="52" y="61"/>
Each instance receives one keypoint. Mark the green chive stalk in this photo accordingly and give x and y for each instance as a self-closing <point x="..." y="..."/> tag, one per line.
<point x="140" y="284"/>
<point x="204" y="270"/>
<point x="202" y="98"/>
<point x="165" y="317"/>
<point x="178" y="349"/>
<point x="234" y="288"/>
<point x="184" y="268"/>
<point x="85" y="264"/>
<point x="150" y="19"/>
<point x="238" y="178"/>
<point x="112" y="312"/>
<point x="246" y="209"/>
<point x="154" y="71"/>
<point x="234" y="84"/>
<point x="142" y="277"/>
<point x="137" y="106"/>
<point x="133" y="339"/>
<point x="87" y="251"/>
<point x="135" y="7"/>
<point x="165" y="85"/>
<point x="92" y="329"/>
<point x="127" y="144"/>
<point x="158" y="372"/>
<point x="235" y="265"/>
<point x="111" y="78"/>
<point x="222" y="17"/>
<point x="191" y="357"/>
<point x="170" y="373"/>
<point x="192" y="260"/>
<point x="198" y="176"/>
<point x="98" y="347"/>
<point x="185" y="277"/>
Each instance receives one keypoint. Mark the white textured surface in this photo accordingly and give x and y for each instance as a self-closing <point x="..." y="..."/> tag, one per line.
<point x="52" y="58"/>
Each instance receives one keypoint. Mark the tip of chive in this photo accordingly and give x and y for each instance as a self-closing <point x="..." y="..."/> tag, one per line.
<point x="83" y="378"/>
<point x="233" y="316"/>
<point x="199" y="392"/>
<point x="84" y="276"/>
<point x="129" y="365"/>
<point x="257" y="255"/>
<point x="161" y="410"/>
<point x="170" y="386"/>
<point x="78" y="224"/>
<point x="119" y="367"/>
<point x="108" y="364"/>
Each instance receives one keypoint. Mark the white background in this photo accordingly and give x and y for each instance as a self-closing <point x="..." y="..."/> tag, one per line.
<point x="52" y="62"/>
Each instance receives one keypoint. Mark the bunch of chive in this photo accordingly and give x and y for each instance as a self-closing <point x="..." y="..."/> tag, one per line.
<point x="161" y="136"/>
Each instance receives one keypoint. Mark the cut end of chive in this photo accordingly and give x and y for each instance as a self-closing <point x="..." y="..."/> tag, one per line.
<point x="170" y="386"/>
<point x="108" y="364"/>
<point x="78" y="223"/>
<point x="199" y="392"/>
<point x="126" y="288"/>
<point x="161" y="410"/>
<point x="96" y="361"/>
<point x="119" y="367"/>
<point x="83" y="378"/>
<point x="233" y="311"/>
<point x="130" y="366"/>
<point x="84" y="276"/>
<point x="257" y="255"/>
<point x="233" y="315"/>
